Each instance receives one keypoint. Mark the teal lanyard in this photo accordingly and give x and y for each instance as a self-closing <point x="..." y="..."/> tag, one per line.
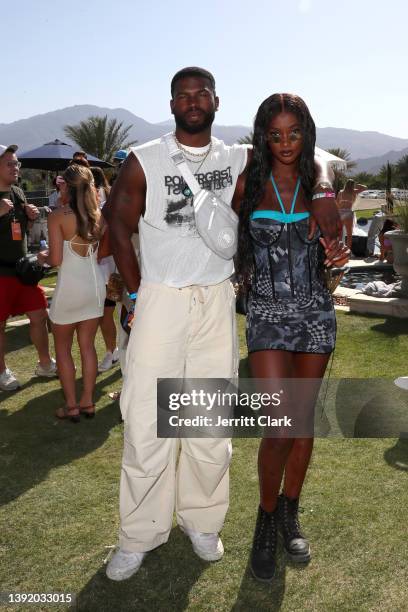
<point x="292" y="208"/>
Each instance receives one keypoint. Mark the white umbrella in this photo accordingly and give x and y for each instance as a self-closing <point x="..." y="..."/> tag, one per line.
<point x="335" y="162"/>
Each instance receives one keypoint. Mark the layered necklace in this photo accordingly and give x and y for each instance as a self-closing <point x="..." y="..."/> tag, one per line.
<point x="199" y="159"/>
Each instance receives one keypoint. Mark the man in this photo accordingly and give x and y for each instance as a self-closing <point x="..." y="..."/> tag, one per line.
<point x="80" y="156"/>
<point x="184" y="326"/>
<point x="16" y="298"/>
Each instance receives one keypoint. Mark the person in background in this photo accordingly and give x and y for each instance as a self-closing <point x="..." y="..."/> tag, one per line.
<point x="80" y="160"/>
<point x="101" y="184"/>
<point x="80" y="156"/>
<point x="108" y="267"/>
<point x="53" y="199"/>
<point x="77" y="304"/>
<point x="118" y="159"/>
<point x="16" y="298"/>
<point x="63" y="195"/>
<point x="386" y="253"/>
<point x="376" y="225"/>
<point x="345" y="200"/>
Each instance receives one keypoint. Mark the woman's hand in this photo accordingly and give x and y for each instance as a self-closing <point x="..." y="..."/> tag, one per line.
<point x="337" y="254"/>
<point x="42" y="257"/>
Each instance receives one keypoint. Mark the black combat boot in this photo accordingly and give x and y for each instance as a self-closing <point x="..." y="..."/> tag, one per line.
<point x="263" y="554"/>
<point x="296" y="545"/>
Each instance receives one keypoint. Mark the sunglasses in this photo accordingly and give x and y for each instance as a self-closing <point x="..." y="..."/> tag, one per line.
<point x="276" y="137"/>
<point x="14" y="164"/>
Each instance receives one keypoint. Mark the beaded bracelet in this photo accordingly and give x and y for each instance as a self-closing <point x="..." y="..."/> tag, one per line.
<point x="323" y="194"/>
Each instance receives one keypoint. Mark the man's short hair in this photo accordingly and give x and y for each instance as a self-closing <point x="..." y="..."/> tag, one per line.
<point x="192" y="71"/>
<point x="79" y="162"/>
<point x="81" y="153"/>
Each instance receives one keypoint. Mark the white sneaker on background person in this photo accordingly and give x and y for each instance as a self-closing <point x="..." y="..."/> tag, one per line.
<point x="109" y="360"/>
<point x="47" y="372"/>
<point x="124" y="564"/>
<point x="207" y="546"/>
<point x="8" y="382"/>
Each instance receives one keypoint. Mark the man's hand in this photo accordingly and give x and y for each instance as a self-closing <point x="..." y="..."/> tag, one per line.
<point x="31" y="211"/>
<point x="337" y="254"/>
<point x="326" y="216"/>
<point x="5" y="207"/>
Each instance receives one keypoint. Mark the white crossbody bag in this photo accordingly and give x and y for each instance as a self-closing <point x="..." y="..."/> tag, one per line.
<point x="216" y="222"/>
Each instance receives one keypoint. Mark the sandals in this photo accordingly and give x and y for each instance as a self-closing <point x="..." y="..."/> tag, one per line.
<point x="87" y="411"/>
<point x="65" y="412"/>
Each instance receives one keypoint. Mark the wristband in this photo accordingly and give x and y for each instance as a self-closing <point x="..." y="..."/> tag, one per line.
<point x="323" y="194"/>
<point x="132" y="296"/>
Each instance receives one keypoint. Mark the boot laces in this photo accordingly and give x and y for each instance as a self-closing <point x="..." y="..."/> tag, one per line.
<point x="291" y="518"/>
<point x="265" y="534"/>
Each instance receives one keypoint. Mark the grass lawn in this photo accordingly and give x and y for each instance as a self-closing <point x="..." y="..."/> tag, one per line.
<point x="59" y="487"/>
<point x="367" y="214"/>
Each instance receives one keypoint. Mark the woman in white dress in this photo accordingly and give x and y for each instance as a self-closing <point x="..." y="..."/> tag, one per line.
<point x="77" y="304"/>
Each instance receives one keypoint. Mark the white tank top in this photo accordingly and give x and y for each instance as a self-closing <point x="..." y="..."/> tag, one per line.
<point x="80" y="291"/>
<point x="172" y="252"/>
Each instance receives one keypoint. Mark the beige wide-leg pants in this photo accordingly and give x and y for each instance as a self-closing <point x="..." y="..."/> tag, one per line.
<point x="176" y="333"/>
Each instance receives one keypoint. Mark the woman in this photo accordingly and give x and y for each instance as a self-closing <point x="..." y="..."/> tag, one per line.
<point x="386" y="253"/>
<point x="107" y="323"/>
<point x="345" y="201"/>
<point x="77" y="303"/>
<point x="290" y="321"/>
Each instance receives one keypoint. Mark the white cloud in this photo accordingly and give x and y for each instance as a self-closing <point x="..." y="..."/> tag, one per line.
<point x="305" y="6"/>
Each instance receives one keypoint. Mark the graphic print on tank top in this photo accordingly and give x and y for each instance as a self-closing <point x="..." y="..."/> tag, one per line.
<point x="179" y="213"/>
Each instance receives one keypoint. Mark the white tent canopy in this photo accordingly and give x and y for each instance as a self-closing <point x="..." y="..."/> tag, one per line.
<point x="335" y="162"/>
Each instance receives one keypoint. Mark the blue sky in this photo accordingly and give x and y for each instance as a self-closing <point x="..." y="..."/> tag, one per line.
<point x="346" y="59"/>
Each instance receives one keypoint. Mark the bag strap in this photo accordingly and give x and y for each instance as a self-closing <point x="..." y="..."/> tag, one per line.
<point x="20" y="204"/>
<point x="179" y="160"/>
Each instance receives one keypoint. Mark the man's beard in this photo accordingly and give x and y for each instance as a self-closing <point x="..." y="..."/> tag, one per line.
<point x="207" y="121"/>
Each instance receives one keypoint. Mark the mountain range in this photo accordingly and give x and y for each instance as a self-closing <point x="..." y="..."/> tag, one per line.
<point x="370" y="149"/>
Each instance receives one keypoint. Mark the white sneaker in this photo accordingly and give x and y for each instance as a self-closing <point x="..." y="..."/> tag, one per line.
<point x="124" y="564"/>
<point x="48" y="372"/>
<point x="207" y="546"/>
<point x="109" y="360"/>
<point x="8" y="382"/>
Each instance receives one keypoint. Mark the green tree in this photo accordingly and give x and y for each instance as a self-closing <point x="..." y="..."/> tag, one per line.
<point x="401" y="169"/>
<point x="365" y="178"/>
<point x="99" y="136"/>
<point x="343" y="154"/>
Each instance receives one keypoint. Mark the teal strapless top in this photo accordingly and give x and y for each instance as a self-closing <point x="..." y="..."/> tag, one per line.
<point x="282" y="217"/>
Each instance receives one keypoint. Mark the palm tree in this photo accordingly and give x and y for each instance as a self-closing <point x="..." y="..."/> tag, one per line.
<point x="365" y="178"/>
<point x="340" y="176"/>
<point x="246" y="139"/>
<point x="99" y="136"/>
<point x="343" y="154"/>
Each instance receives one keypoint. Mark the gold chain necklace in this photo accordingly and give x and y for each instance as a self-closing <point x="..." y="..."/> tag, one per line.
<point x="189" y="153"/>
<point x="187" y="191"/>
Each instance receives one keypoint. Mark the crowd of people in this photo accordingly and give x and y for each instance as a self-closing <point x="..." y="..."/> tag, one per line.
<point x="181" y="304"/>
